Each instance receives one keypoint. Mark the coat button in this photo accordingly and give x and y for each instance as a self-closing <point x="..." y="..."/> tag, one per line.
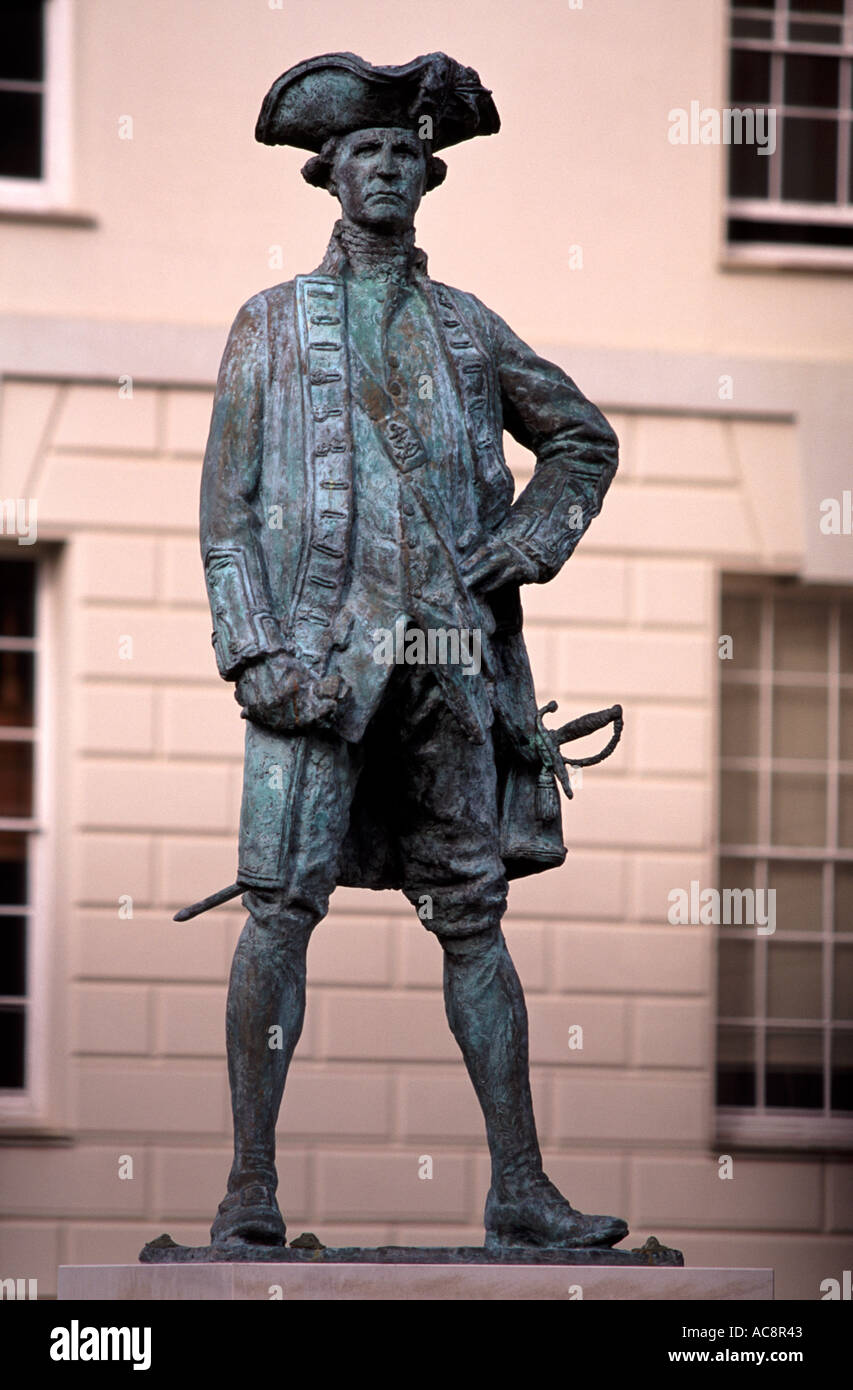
<point x="395" y="388"/>
<point x="393" y="360"/>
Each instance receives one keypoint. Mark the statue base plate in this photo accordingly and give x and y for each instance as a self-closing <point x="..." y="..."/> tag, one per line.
<point x="164" y="1251"/>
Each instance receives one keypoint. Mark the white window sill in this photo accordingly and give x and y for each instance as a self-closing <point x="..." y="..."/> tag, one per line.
<point x="758" y="256"/>
<point x="25" y="1136"/>
<point x="48" y="217"/>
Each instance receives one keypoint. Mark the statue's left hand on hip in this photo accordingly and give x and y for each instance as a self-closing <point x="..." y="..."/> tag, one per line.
<point x="495" y="563"/>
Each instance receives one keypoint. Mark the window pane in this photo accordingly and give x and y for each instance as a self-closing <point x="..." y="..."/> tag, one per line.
<point x="842" y="1071"/>
<point x="795" y="1070"/>
<point x="20" y="135"/>
<point x="842" y="984"/>
<point x="744" y="229"/>
<point x="752" y="29"/>
<point x="16" y="779"/>
<point x="800" y="640"/>
<point x="799" y="895"/>
<point x="739" y="808"/>
<point x="17" y="598"/>
<point x="808" y="160"/>
<point x="817" y="6"/>
<point x="741" y="619"/>
<point x="845" y="812"/>
<point x="21" y="47"/>
<point x="811" y="80"/>
<point x="799" y="723"/>
<point x="844" y="897"/>
<point x="740" y="721"/>
<point x="16" y="689"/>
<point x="13" y="869"/>
<point x="737" y="873"/>
<point x="798" y="809"/>
<point x="749" y="76"/>
<point x="12" y="1026"/>
<point x="749" y="172"/>
<point x="736" y="965"/>
<point x="735" y="1066"/>
<point x="794" y="980"/>
<point x="739" y="903"/>
<point x="753" y="4"/>
<point x="847" y="639"/>
<point x="13" y="955"/>
<point x="815" y="33"/>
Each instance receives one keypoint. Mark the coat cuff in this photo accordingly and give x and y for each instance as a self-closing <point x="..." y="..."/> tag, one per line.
<point x="532" y="565"/>
<point x="244" y="625"/>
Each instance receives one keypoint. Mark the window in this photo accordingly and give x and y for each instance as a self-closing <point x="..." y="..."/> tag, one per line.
<point x="24" y="907"/>
<point x="794" y="58"/>
<point x="785" y="990"/>
<point x="34" y="103"/>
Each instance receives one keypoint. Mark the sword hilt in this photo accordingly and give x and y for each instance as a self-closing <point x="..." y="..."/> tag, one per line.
<point x="549" y="741"/>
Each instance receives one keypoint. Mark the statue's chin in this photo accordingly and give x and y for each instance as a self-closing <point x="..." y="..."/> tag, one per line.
<point x="385" y="218"/>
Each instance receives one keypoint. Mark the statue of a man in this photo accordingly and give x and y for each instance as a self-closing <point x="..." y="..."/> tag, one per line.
<point x="363" y="557"/>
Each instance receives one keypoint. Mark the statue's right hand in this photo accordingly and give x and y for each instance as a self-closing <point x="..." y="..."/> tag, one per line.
<point x="282" y="694"/>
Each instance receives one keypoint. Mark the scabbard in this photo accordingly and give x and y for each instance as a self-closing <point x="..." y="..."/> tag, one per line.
<point x="215" y="900"/>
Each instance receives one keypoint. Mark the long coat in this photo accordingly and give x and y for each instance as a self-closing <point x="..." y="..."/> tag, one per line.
<point x="276" y="524"/>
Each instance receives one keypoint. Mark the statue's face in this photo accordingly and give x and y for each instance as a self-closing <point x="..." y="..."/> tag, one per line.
<point x="378" y="177"/>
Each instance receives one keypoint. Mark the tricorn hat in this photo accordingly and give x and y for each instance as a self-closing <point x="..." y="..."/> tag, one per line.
<point x="339" y="92"/>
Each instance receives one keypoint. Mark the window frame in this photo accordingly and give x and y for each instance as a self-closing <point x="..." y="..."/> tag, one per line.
<point x="779" y="1127"/>
<point x="53" y="190"/>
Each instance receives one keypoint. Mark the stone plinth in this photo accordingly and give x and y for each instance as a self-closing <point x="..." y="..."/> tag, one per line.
<point x="306" y="1280"/>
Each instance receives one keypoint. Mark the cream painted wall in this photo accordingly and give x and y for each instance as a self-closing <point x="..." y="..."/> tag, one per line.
<point x="187" y="210"/>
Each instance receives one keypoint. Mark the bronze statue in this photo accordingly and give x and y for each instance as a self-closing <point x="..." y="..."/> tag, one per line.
<point x="363" y="556"/>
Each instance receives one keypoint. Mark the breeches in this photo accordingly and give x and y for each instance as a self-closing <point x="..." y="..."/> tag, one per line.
<point x="445" y="814"/>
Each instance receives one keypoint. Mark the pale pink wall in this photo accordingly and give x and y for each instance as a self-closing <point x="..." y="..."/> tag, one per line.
<point x="186" y="214"/>
<point x="187" y="210"/>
